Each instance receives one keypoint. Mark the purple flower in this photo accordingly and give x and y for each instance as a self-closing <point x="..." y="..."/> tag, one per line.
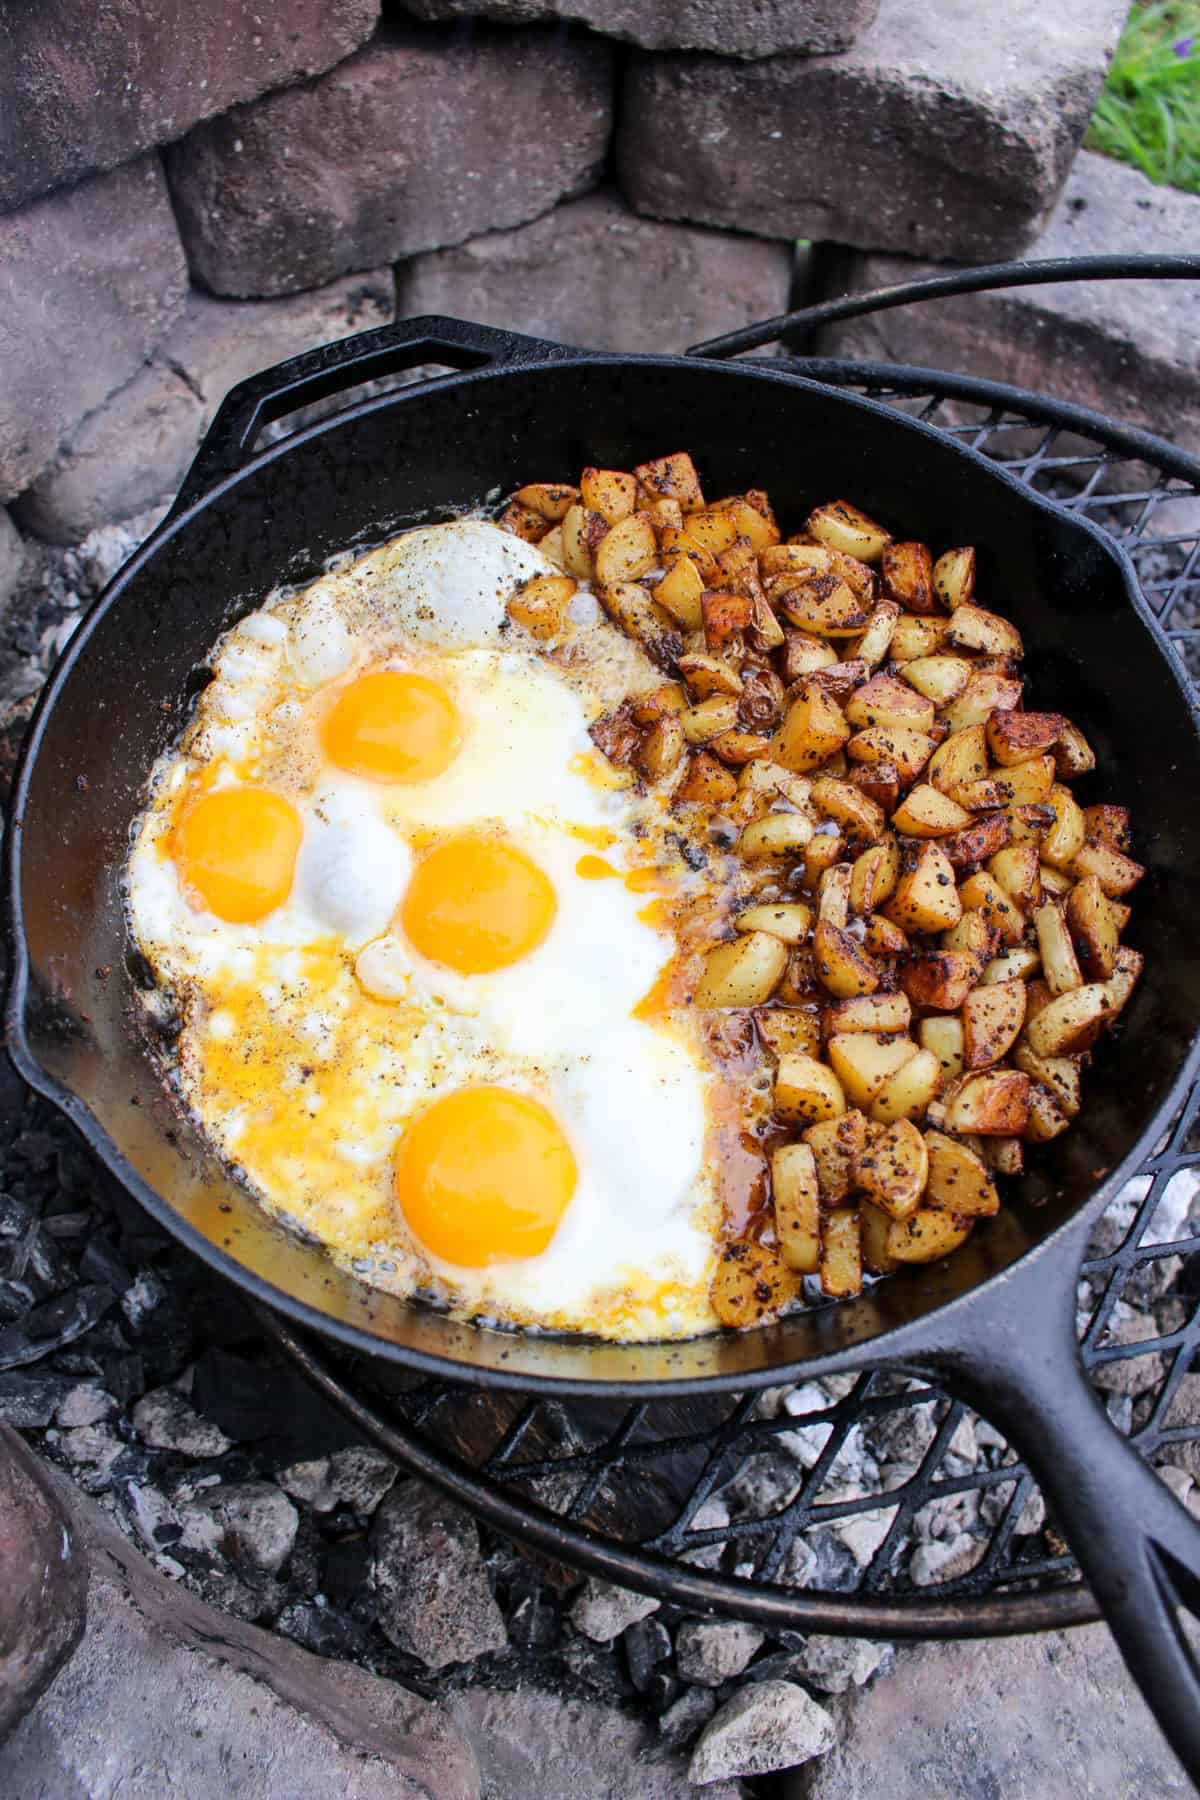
<point x="1183" y="46"/>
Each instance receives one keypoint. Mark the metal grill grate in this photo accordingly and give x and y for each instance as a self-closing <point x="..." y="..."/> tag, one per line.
<point x="869" y="1502"/>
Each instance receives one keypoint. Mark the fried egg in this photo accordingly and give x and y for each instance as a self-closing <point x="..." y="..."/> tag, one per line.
<point x="416" y="931"/>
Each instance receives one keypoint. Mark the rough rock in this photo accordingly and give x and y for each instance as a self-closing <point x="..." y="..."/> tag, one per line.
<point x="167" y="1696"/>
<point x="358" y="1477"/>
<point x="255" y="1522"/>
<point x="834" y="1664"/>
<point x="190" y="58"/>
<point x="424" y="138"/>
<point x="12" y="558"/>
<point x="1184" y="1411"/>
<point x="1131" y="1374"/>
<point x="1129" y="348"/>
<point x="710" y="1651"/>
<point x="165" y="1420"/>
<point x="134" y="450"/>
<point x="684" y="1717"/>
<point x="602" y="1612"/>
<point x="431" y="1588"/>
<point x="90" y="281"/>
<point x="1049" y="1717"/>
<point x="86" y="1404"/>
<point x="769" y="1725"/>
<point x="43" y="1583"/>
<point x="594" y="274"/>
<point x="726" y="26"/>
<point x="946" y="131"/>
<point x="537" y="1746"/>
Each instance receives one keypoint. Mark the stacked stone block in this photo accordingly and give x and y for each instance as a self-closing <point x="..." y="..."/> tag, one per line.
<point x="189" y="193"/>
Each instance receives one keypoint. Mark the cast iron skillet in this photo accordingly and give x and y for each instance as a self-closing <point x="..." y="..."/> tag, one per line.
<point x="995" y="1321"/>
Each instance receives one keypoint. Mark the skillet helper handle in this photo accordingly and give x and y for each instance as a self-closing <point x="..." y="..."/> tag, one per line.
<point x="1016" y="1361"/>
<point x="337" y="368"/>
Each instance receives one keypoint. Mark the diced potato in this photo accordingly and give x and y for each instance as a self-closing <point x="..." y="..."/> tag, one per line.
<point x="841" y="1254"/>
<point x="662" y="513"/>
<point x="982" y="892"/>
<point x="744" y="972"/>
<point x="672" y="478"/>
<point x="958" y="1179"/>
<point x="1058" y="1073"/>
<point x="874" y="875"/>
<point x="1056" y="883"/>
<point x="626" y="551"/>
<point x="806" y="1091"/>
<point x="784" y="1029"/>
<point x="765" y="633"/>
<point x="961" y="760"/>
<point x="981" y="839"/>
<point x="523" y="522"/>
<point x="883" y="938"/>
<point x="708" y="720"/>
<point x="776" y="782"/>
<point x="1015" y="964"/>
<point x="550" y="498"/>
<point x="1047" y="1119"/>
<point x="843" y="967"/>
<point x="833" y="905"/>
<point x="874" y="1225"/>
<point x="868" y="1012"/>
<point x="1018" y="869"/>
<point x="679" y="592"/>
<point x="785" y="919"/>
<point x="739" y="747"/>
<point x="1115" y="871"/>
<point x="757" y="527"/>
<point x="813" y="728"/>
<point x="656" y="703"/>
<point x="873" y="645"/>
<point x="663" y="749"/>
<point x="927" y="813"/>
<point x="582" y="533"/>
<point x="844" y="528"/>
<point x="894" y="1167"/>
<point x="1029" y="824"/>
<point x="707" y="782"/>
<point x="975" y="934"/>
<point x="714" y="528"/>
<point x="1029" y="783"/>
<point x="942" y="1035"/>
<point x="1060" y="967"/>
<point x="725" y="617"/>
<point x="1067" y="1023"/>
<point x="779" y="834"/>
<point x="1004" y="1154"/>
<point x="940" y="678"/>
<point x="974" y="628"/>
<point x="954" y="576"/>
<point x="752" y="1284"/>
<point x="908" y="571"/>
<point x="609" y="492"/>
<point x="992" y="1021"/>
<point x="804" y="655"/>
<point x="1121" y="914"/>
<point x="822" y="605"/>
<point x="856" y="813"/>
<point x="929" y="1235"/>
<point x="797" y="1206"/>
<point x="997" y="1102"/>
<point x="1108" y="825"/>
<point x="885" y="700"/>
<point x="984" y="795"/>
<point x="826" y="848"/>
<point x="985" y="693"/>
<point x="540" y="604"/>
<point x="631" y="607"/>
<point x="864" y="1060"/>
<point x="674" y="541"/>
<point x="1064" y="840"/>
<point x="907" y="751"/>
<point x="1124" y="978"/>
<point x="1013" y="737"/>
<point x="915" y="636"/>
<point x="940" y="978"/>
<point x="926" y="898"/>
<point x="1073" y="755"/>
<point x="710" y="677"/>
<point x="837" y="1144"/>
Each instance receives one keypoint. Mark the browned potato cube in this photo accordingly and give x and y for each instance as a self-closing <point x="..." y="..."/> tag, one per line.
<point x="958" y="1179"/>
<point x="1029" y="783"/>
<point x="1073" y="755"/>
<point x="849" y="807"/>
<point x="884" y="700"/>
<point x="1028" y="824"/>
<point x="880" y="782"/>
<point x="997" y="1102"/>
<point x="916" y="636"/>
<point x="797" y="1206"/>
<point x="1066" y="1023"/>
<point x="974" y="934"/>
<point x="1014" y="737"/>
<point x="842" y="965"/>
<point x="874" y="876"/>
<point x="873" y="645"/>
<point x="784" y="1029"/>
<point x="992" y="1021"/>
<point x="929" y="1235"/>
<point x="708" y="719"/>
<point x="523" y="522"/>
<point x="941" y="979"/>
<point x="868" y="1012"/>
<point x="806" y="1091"/>
<point x="707" y="782"/>
<point x="911" y="1091"/>
<point x="779" y="834"/>
<point x="1018" y="869"/>
<point x="942" y="1034"/>
<point x="1115" y="871"/>
<point x="954" y="577"/>
<point x="1124" y="978"/>
<point x="1065" y="838"/>
<point x="822" y="605"/>
<point x="752" y="1284"/>
<point x="786" y="919"/>
<point x="1047" y="1119"/>
<point x="826" y="848"/>
<point x="663" y="749"/>
<point x="804" y="655"/>
<point x="927" y="813"/>
<point x="974" y="628"/>
<point x="926" y="898"/>
<point x="908" y="571"/>
<point x="841" y="1254"/>
<point x="626" y="551"/>
<point x="883" y="938"/>
<point x="907" y="751"/>
<point x="863" y="1061"/>
<point x="679" y="593"/>
<point x="982" y="892"/>
<point x="874" y="1225"/>
<point x="672" y="478"/>
<point x="1058" y="1073"/>
<point x="650" y="707"/>
<point x="837" y="1144"/>
<point x="1060" y="967"/>
<point x="960" y="761"/>
<point x="709" y="677"/>
<point x="1108" y="825"/>
<point x="985" y="693"/>
<point x="893" y="1168"/>
<point x="844" y="528"/>
<point x="813" y="728"/>
<point x="582" y="533"/>
<point x="609" y="492"/>
<point x="550" y="498"/>
<point x="540" y="604"/>
<point x="940" y="678"/>
<point x="725" y="617"/>
<point x="743" y="972"/>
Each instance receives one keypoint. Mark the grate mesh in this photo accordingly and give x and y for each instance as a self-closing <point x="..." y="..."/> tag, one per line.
<point x="828" y="1504"/>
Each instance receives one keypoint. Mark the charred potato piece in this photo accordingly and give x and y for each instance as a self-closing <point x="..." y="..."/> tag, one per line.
<point x="752" y="1284"/>
<point x="806" y="1091"/>
<point x="954" y="577"/>
<point x="1073" y="755"/>
<point x="837" y="1143"/>
<point x="886" y="701"/>
<point x="905" y="750"/>
<point x="814" y="727"/>
<point x="893" y="1168"/>
<point x="1115" y="871"/>
<point x="707" y="783"/>
<point x="908" y="571"/>
<point x="992" y="1021"/>
<point x="997" y="1102"/>
<point x="843" y="527"/>
<point x="1014" y="737"/>
<point x="523" y="522"/>
<point x="631" y="607"/>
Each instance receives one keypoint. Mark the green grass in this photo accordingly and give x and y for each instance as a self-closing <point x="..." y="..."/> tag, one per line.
<point x="1148" y="113"/>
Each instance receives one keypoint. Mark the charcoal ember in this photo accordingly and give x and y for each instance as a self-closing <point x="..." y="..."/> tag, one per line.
<point x="432" y="1594"/>
<point x="271" y="1406"/>
<point x="54" y="1324"/>
<point x="255" y="1523"/>
<point x="257" y="1599"/>
<point x="304" y="1567"/>
<point x="68" y="1227"/>
<point x="142" y="1298"/>
<point x="662" y="1690"/>
<point x="712" y="1651"/>
<point x="768" y="1725"/>
<point x="596" y="1667"/>
<point x="85" y="1403"/>
<point x="125" y="1377"/>
<point x="16" y="1218"/>
<point x="832" y="1665"/>
<point x="532" y="1617"/>
<point x="346" y="1574"/>
<point x="603" y="1611"/>
<point x="96" y="1451"/>
<point x="30" y="1401"/>
<point x="646" y="1644"/>
<point x="321" y="1629"/>
<point x="100" y="1262"/>
<point x="45" y="1266"/>
<point x="16" y="1299"/>
<point x="685" y="1717"/>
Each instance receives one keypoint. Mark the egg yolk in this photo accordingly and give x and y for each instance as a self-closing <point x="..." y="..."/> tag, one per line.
<point x="484" y="1176"/>
<point x="476" y="904"/>
<point x="236" y="848"/>
<point x="392" y="726"/>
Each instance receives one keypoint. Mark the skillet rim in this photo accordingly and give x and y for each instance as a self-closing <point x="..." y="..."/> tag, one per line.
<point x="891" y="1344"/>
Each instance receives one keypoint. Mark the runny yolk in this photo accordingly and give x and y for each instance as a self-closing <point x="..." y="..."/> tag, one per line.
<point x="476" y="904"/>
<point x="594" y="868"/>
<point x="392" y="726"/>
<point x="484" y="1175"/>
<point x="236" y="848"/>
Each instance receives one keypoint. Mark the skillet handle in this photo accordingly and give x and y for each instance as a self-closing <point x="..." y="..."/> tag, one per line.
<point x="1015" y="1359"/>
<point x="336" y="368"/>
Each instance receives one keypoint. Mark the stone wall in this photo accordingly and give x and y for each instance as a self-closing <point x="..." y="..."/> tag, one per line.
<point x="189" y="193"/>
